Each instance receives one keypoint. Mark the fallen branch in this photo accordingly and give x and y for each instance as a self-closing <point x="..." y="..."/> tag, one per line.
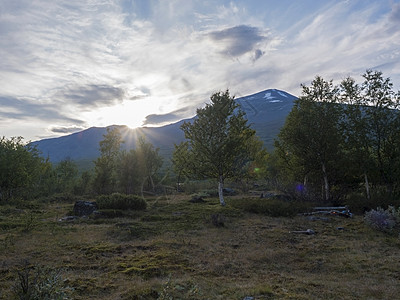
<point x="342" y="211"/>
<point x="308" y="231"/>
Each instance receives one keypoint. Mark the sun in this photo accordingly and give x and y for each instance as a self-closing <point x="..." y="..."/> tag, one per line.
<point x="129" y="113"/>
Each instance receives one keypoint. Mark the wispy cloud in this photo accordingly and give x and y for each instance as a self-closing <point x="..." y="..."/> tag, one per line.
<point x="91" y="96"/>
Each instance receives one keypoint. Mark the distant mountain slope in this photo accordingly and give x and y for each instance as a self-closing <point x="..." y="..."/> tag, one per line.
<point x="266" y="112"/>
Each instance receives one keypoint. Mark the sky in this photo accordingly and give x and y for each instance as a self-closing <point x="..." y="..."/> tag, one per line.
<point x="67" y="65"/>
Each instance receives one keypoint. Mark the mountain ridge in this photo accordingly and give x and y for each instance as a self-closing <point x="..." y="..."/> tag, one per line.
<point x="266" y="112"/>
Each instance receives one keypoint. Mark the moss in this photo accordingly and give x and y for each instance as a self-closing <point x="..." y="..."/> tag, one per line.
<point x="152" y="265"/>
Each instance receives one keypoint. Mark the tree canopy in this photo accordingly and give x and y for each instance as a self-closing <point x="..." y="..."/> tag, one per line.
<point x="219" y="143"/>
<point x="20" y="167"/>
<point x="336" y="135"/>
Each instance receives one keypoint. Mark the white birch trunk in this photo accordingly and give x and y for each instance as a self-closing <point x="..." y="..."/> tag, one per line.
<point x="221" y="191"/>
<point x="326" y="183"/>
<point x="367" y="186"/>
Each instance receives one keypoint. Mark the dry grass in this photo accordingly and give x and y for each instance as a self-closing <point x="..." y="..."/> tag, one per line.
<point x="173" y="251"/>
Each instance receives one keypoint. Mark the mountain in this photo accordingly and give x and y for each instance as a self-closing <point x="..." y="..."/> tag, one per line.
<point x="266" y="112"/>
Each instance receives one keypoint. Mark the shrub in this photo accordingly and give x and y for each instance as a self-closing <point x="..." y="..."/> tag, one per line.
<point x="359" y="204"/>
<point x="121" y="201"/>
<point x="380" y="219"/>
<point x="270" y="206"/>
<point x="36" y="282"/>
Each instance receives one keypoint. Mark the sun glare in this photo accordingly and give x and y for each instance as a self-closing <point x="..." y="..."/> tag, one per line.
<point x="131" y="114"/>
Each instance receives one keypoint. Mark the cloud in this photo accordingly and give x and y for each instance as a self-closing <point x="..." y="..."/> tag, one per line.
<point x="239" y="40"/>
<point x="66" y="129"/>
<point x="257" y="54"/>
<point x="23" y="109"/>
<point x="161" y="119"/>
<point x="93" y="95"/>
<point x="395" y="13"/>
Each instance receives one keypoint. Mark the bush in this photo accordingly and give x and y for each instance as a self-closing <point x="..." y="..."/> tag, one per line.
<point x="383" y="220"/>
<point x="121" y="201"/>
<point x="40" y="283"/>
<point x="270" y="206"/>
<point x="359" y="204"/>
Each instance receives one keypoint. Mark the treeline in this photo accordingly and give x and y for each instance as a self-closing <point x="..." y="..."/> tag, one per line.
<point x="25" y="174"/>
<point x="342" y="139"/>
<point x="338" y="141"/>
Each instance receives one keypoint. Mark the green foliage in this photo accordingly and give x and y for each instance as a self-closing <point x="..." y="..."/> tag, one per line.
<point x="20" y="168"/>
<point x="358" y="203"/>
<point x="149" y="162"/>
<point x="126" y="172"/>
<point x="220" y="143"/>
<point x="66" y="173"/>
<point x="84" y="185"/>
<point x="346" y="146"/>
<point x="310" y="140"/>
<point x="105" y="176"/>
<point x="121" y="201"/>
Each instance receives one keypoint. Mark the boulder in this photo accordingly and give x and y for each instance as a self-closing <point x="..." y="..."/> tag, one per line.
<point x="84" y="208"/>
<point x="197" y="199"/>
<point x="229" y="192"/>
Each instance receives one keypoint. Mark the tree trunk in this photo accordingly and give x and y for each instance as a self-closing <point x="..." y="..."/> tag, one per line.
<point x="221" y="190"/>
<point x="367" y="186"/>
<point x="326" y="182"/>
<point x="152" y="184"/>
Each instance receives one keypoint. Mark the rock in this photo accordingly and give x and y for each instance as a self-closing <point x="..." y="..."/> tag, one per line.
<point x="314" y="218"/>
<point x="229" y="192"/>
<point x="308" y="231"/>
<point x="68" y="219"/>
<point x="197" y="199"/>
<point x="84" y="208"/>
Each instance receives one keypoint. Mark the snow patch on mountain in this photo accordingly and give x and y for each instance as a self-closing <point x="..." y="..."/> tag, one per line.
<point x="267" y="95"/>
<point x="282" y="94"/>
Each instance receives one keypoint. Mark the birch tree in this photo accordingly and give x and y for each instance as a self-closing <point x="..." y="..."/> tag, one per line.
<point x="218" y="141"/>
<point x="105" y="165"/>
<point x="310" y="137"/>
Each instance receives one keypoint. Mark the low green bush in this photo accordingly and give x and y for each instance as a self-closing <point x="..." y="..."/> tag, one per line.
<point x="359" y="204"/>
<point x="271" y="206"/>
<point x="121" y="201"/>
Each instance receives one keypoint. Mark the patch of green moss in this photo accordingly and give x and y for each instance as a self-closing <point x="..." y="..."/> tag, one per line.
<point x="152" y="265"/>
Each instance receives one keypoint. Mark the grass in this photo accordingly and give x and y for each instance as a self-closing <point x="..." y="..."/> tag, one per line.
<point x="172" y="250"/>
